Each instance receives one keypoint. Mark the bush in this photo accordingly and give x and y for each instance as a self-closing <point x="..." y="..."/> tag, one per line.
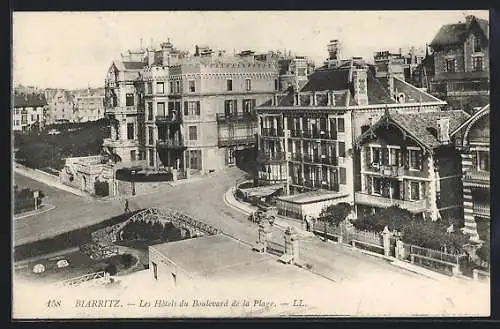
<point x="415" y="231"/>
<point x="23" y="199"/>
<point x="484" y="252"/>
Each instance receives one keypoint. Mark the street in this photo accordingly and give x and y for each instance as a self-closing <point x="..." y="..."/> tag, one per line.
<point x="359" y="273"/>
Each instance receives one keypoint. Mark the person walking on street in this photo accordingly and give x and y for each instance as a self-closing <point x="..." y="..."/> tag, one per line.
<point x="127" y="209"/>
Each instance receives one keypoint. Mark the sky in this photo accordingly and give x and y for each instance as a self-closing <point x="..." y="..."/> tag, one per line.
<point x="74" y="49"/>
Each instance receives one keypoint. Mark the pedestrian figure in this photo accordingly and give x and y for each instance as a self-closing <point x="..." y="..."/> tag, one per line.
<point x="127" y="209"/>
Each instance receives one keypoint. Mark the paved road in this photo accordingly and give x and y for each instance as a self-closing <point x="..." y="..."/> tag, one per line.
<point x="358" y="273"/>
<point x="71" y="212"/>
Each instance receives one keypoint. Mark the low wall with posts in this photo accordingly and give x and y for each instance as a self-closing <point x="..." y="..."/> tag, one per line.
<point x="385" y="243"/>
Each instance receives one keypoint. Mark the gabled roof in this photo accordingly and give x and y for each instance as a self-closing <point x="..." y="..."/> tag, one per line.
<point x="29" y="100"/>
<point x="413" y="94"/>
<point x="421" y="126"/>
<point x="455" y="34"/>
<point x="471" y="120"/>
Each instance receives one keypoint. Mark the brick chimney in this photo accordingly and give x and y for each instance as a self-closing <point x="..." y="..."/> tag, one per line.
<point x="151" y="57"/>
<point x="359" y="76"/>
<point x="165" y="48"/>
<point x="443" y="131"/>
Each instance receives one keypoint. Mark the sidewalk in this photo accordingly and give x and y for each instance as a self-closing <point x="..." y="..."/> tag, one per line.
<point x="280" y="221"/>
<point x="52" y="181"/>
<point x="283" y="223"/>
<point x="43" y="208"/>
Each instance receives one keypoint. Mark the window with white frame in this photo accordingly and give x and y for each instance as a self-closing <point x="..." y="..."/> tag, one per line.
<point x="375" y="155"/>
<point x="149" y="88"/>
<point x="477" y="63"/>
<point x="193" y="133"/>
<point x="414" y="191"/>
<point x="483" y="161"/>
<point x="172" y="87"/>
<point x="160" y="88"/>
<point x="476" y="44"/>
<point x="150" y="136"/>
<point x="192" y="87"/>
<point x="450" y="65"/>
<point x="248" y="84"/>
<point x="394" y="156"/>
<point x="177" y="87"/>
<point x="192" y="108"/>
<point x="376" y="185"/>
<point x="415" y="159"/>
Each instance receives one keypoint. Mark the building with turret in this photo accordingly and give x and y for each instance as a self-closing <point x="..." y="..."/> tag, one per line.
<point x="191" y="114"/>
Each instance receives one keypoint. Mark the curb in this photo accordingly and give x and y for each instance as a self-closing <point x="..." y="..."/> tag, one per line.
<point x="48" y="207"/>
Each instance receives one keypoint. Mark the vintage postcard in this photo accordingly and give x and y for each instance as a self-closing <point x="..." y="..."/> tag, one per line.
<point x="240" y="164"/>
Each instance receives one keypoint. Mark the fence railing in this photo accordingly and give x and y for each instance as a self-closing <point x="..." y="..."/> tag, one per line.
<point x="436" y="255"/>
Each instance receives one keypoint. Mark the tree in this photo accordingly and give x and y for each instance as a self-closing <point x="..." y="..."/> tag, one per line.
<point x="334" y="214"/>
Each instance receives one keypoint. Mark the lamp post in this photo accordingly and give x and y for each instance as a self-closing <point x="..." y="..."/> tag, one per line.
<point x="35" y="197"/>
<point x="132" y="172"/>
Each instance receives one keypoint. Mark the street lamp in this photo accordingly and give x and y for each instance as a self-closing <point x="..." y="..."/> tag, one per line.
<point x="132" y="172"/>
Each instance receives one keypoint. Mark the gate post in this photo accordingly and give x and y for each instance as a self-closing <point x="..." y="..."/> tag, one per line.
<point x="386" y="239"/>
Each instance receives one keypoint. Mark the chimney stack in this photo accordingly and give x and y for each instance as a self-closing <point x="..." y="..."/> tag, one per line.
<point x="443" y="130"/>
<point x="151" y="57"/>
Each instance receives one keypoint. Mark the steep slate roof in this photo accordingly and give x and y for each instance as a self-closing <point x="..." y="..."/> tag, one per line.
<point x="378" y="90"/>
<point x="455" y="34"/>
<point x="417" y="125"/>
<point x="413" y="94"/>
<point x="322" y="80"/>
<point x="133" y="65"/>
<point x="466" y="123"/>
<point x="29" y="100"/>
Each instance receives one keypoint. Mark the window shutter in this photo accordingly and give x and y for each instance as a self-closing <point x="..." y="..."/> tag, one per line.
<point x="406" y="158"/>
<point x="235" y="106"/>
<point x="198" y="108"/>
<point x="369" y="184"/>
<point x="226" y="107"/>
<point x="401" y="190"/>
<point x="420" y="160"/>
<point x="367" y="156"/>
<point x="186" y="108"/>
<point x="343" y="177"/>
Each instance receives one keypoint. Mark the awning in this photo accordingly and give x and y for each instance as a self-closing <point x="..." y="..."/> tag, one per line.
<point x="261" y="191"/>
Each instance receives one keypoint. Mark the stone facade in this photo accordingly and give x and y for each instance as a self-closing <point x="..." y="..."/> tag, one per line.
<point x="83" y="172"/>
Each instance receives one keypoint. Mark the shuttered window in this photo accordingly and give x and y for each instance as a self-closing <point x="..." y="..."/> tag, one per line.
<point x="343" y="175"/>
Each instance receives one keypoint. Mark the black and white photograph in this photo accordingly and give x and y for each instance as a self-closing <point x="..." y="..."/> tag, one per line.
<point x="250" y="164"/>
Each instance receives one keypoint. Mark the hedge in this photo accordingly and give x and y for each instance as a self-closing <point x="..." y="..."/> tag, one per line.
<point x="126" y="175"/>
<point x="419" y="232"/>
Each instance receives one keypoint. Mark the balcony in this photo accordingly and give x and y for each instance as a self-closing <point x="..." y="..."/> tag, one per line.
<point x="417" y="206"/>
<point x="297" y="157"/>
<point x="481" y="209"/>
<point x="240" y="117"/>
<point x="332" y="161"/>
<point x="391" y="171"/>
<point x="134" y="109"/>
<point x="316" y="134"/>
<point x="236" y="141"/>
<point x="312" y="159"/>
<point x="479" y="178"/>
<point x="272" y="132"/>
<point x="270" y="178"/>
<point x="109" y="142"/>
<point x="170" y="144"/>
<point x="271" y="158"/>
<point x="170" y="119"/>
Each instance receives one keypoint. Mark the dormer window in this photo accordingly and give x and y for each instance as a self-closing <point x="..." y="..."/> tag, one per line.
<point x="476" y="44"/>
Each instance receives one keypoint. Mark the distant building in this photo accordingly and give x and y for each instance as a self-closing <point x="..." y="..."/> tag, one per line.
<point x="461" y="60"/>
<point x="60" y="105"/>
<point x="28" y="111"/>
<point x="89" y="105"/>
<point x="407" y="160"/>
<point x="473" y="140"/>
<point x="305" y="137"/>
<point x="401" y="64"/>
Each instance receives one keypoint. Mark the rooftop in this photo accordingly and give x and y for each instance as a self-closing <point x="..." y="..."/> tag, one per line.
<point x="312" y="197"/>
<point x="221" y="257"/>
<point x="29" y="100"/>
<point x="421" y="126"/>
<point x="455" y="34"/>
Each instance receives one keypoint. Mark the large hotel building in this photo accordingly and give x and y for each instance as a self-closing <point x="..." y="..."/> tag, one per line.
<point x="309" y="140"/>
<point x="191" y="114"/>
